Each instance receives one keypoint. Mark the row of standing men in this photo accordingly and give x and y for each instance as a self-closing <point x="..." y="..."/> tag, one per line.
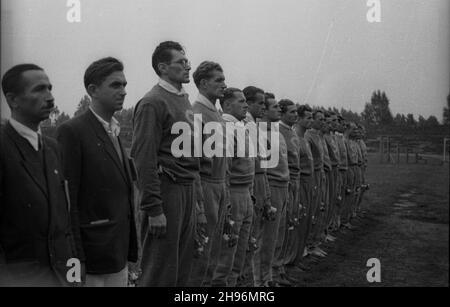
<point x="278" y="215"/>
<point x="258" y="220"/>
<point x="204" y="221"/>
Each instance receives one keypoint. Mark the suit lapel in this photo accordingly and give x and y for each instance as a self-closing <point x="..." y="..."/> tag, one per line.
<point x="107" y="143"/>
<point x="126" y="163"/>
<point x="32" y="165"/>
<point x="34" y="169"/>
<point x="52" y="174"/>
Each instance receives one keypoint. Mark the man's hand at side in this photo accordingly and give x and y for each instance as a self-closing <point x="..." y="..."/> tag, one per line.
<point x="157" y="225"/>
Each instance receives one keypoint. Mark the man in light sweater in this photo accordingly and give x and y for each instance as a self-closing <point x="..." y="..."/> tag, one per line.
<point x="363" y="147"/>
<point x="166" y="177"/>
<point x="313" y="136"/>
<point x="331" y="119"/>
<point x="289" y="118"/>
<point x="357" y="168"/>
<point x="320" y="233"/>
<point x="335" y="188"/>
<point x="306" y="182"/>
<point x="352" y="158"/>
<point x="240" y="177"/>
<point x="268" y="259"/>
<point x="256" y="105"/>
<point x="210" y="81"/>
<point x="342" y="167"/>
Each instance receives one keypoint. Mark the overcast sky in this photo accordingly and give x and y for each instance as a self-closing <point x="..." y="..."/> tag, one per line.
<point x="323" y="52"/>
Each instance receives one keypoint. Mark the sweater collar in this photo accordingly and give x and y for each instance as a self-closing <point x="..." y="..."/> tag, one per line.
<point x="171" y="89"/>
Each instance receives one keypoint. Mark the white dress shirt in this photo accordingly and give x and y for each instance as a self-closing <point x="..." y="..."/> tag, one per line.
<point x="31" y="136"/>
<point x="112" y="127"/>
<point x="171" y="89"/>
<point x="206" y="102"/>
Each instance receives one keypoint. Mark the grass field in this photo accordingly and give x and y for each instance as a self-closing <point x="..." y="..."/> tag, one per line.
<point x="406" y="227"/>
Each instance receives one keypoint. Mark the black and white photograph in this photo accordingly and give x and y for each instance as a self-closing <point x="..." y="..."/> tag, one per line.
<point x="220" y="147"/>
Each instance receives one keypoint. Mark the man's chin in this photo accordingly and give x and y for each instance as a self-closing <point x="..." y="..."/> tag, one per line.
<point x="45" y="114"/>
<point x="44" y="117"/>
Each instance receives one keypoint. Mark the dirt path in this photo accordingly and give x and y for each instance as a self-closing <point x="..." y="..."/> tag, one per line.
<point x="406" y="227"/>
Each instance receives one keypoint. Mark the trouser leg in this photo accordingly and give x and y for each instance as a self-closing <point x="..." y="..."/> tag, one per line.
<point x="277" y="266"/>
<point x="350" y="194"/>
<point x="320" y="209"/>
<point x="306" y="187"/>
<point x="338" y="199"/>
<point x="292" y="235"/>
<point x="315" y="206"/>
<point x="214" y="202"/>
<point x="357" y="189"/>
<point x="264" y="255"/>
<point x="239" y="198"/>
<point x="167" y="260"/>
<point x="332" y="198"/>
<point x="343" y="177"/>
<point x="259" y="191"/>
<point x="244" y="235"/>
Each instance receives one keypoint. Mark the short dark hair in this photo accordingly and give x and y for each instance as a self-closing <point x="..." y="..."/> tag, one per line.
<point x="162" y="54"/>
<point x="250" y="93"/>
<point x="329" y="113"/>
<point x="317" y="111"/>
<point x="228" y="94"/>
<point x="205" y="70"/>
<point x="284" y="104"/>
<point x="302" y="109"/>
<point x="12" y="81"/>
<point x="268" y="96"/>
<point x="98" y="71"/>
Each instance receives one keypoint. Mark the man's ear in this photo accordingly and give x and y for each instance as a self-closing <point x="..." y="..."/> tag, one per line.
<point x="226" y="105"/>
<point x="264" y="112"/>
<point x="92" y="89"/>
<point x="11" y="99"/>
<point x="162" y="67"/>
<point x="203" y="83"/>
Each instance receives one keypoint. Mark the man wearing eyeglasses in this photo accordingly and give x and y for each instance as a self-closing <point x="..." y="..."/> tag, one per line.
<point x="166" y="175"/>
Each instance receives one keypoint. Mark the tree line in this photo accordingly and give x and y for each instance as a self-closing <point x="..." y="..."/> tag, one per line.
<point x="378" y="119"/>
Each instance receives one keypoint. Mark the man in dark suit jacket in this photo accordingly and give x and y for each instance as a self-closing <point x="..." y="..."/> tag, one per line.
<point x="100" y="178"/>
<point x="35" y="234"/>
